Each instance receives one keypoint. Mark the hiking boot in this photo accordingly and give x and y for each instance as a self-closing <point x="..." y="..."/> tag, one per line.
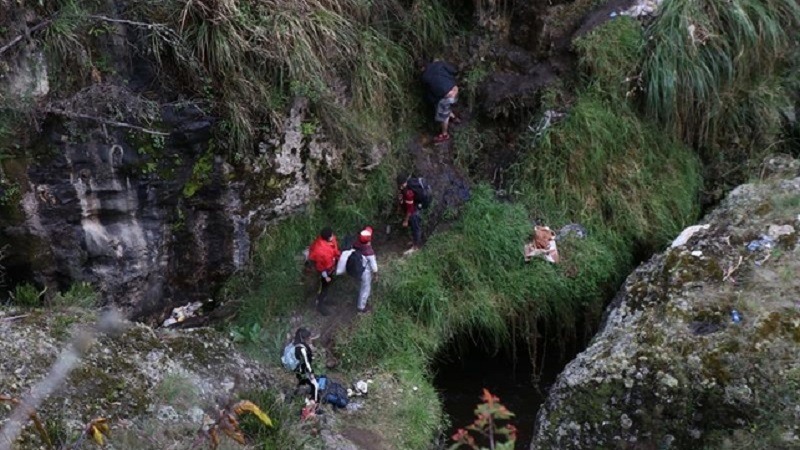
<point x="444" y="137"/>
<point x="366" y="310"/>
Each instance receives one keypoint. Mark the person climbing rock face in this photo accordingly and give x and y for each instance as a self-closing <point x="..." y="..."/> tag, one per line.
<point x="441" y="92"/>
<point x="364" y="246"/>
<point x="408" y="204"/>
<point x="303" y="351"/>
<point x="324" y="253"/>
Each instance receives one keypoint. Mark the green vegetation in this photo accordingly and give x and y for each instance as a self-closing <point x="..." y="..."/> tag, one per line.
<point x="282" y="434"/>
<point x="610" y="55"/>
<point x="26" y="295"/>
<point x="80" y="294"/>
<point x="714" y="71"/>
<point x="252" y="58"/>
<point x="604" y="166"/>
<point x="478" y="282"/>
<point x="628" y="182"/>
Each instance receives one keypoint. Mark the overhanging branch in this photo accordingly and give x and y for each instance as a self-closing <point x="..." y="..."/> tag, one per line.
<point x="113" y="123"/>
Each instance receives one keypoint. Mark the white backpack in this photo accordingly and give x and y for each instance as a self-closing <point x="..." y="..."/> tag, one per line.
<point x="288" y="358"/>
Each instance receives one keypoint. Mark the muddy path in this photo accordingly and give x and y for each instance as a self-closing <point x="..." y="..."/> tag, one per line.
<point x="451" y="189"/>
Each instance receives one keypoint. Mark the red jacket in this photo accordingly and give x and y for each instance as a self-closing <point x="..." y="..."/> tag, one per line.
<point x="324" y="254"/>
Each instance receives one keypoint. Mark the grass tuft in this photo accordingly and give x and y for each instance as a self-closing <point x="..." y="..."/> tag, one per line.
<point x="710" y="64"/>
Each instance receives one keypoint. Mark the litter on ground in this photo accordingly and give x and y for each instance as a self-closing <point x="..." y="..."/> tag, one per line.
<point x="182" y="313"/>
<point x="764" y="243"/>
<point x="542" y="245"/>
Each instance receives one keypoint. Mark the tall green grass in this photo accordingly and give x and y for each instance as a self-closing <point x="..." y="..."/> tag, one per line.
<point x="710" y="68"/>
<point x="604" y="166"/>
<point x="472" y="278"/>
<point x="351" y="58"/>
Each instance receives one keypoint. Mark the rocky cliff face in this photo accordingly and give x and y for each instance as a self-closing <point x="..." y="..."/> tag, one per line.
<point x="671" y="367"/>
<point x="119" y="182"/>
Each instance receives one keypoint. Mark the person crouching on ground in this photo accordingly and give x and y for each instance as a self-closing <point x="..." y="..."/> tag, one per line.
<point x="364" y="246"/>
<point x="441" y="91"/>
<point x="412" y="217"/>
<point x="324" y="252"/>
<point x="304" y="355"/>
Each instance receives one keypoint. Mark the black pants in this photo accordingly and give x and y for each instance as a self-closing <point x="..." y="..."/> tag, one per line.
<point x="322" y="293"/>
<point x="304" y="380"/>
<point x="415" y="222"/>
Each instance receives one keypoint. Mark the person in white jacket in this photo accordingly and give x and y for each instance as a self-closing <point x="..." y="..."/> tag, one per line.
<point x="364" y="245"/>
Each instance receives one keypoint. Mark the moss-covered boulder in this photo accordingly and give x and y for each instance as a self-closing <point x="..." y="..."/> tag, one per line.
<point x="671" y="366"/>
<point x="156" y="387"/>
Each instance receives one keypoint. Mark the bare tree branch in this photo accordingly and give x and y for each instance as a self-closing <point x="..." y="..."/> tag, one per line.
<point x="28" y="32"/>
<point x="113" y="123"/>
<point x="127" y="22"/>
<point x="111" y="322"/>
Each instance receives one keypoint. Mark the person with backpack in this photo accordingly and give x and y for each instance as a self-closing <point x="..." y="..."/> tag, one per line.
<point x="362" y="249"/>
<point x="441" y="92"/>
<point x="414" y="195"/>
<point x="297" y="357"/>
<point x="324" y="253"/>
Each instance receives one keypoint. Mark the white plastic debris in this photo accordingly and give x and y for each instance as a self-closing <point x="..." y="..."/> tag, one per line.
<point x="361" y="387"/>
<point x="776" y="231"/>
<point x="182" y="313"/>
<point x="686" y="234"/>
<point x="642" y="8"/>
<point x="697" y="253"/>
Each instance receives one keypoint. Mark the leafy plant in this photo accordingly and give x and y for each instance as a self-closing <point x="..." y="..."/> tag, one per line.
<point x="201" y="174"/>
<point x="81" y="294"/>
<point x="27" y="295"/>
<point x="249" y="334"/>
<point x="486" y="425"/>
<point x="227" y="423"/>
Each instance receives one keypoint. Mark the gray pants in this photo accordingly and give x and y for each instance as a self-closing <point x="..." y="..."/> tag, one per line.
<point x="366" y="287"/>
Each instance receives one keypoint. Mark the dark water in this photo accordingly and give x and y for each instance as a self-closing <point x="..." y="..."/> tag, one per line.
<point x="462" y="373"/>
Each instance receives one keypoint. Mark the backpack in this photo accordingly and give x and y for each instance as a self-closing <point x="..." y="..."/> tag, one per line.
<point x="288" y="358"/>
<point x="336" y="395"/>
<point x="423" y="193"/>
<point x="355" y="264"/>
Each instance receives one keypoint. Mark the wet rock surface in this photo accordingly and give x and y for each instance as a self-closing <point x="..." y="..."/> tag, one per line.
<point x="673" y="366"/>
<point x="125" y="185"/>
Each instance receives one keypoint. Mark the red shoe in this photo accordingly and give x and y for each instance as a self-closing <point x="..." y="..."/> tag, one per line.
<point x="444" y="137"/>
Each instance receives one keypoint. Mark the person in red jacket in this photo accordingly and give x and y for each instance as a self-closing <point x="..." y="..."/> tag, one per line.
<point x="324" y="253"/>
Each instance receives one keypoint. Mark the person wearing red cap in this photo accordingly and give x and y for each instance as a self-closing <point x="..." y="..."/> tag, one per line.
<point x="364" y="246"/>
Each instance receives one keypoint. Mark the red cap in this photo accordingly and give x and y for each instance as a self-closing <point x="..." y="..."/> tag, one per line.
<point x="365" y="235"/>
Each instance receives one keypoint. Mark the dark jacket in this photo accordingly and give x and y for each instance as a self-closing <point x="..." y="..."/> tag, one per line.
<point x="305" y="357"/>
<point x="438" y="78"/>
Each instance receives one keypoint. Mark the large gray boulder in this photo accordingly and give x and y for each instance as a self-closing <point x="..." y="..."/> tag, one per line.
<point x="670" y="367"/>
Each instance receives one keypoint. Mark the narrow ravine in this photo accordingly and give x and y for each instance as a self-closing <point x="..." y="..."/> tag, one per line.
<point x="464" y="368"/>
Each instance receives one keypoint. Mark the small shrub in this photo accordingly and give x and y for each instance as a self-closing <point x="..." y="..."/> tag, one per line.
<point x="486" y="426"/>
<point x="80" y="294"/>
<point x="26" y="295"/>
